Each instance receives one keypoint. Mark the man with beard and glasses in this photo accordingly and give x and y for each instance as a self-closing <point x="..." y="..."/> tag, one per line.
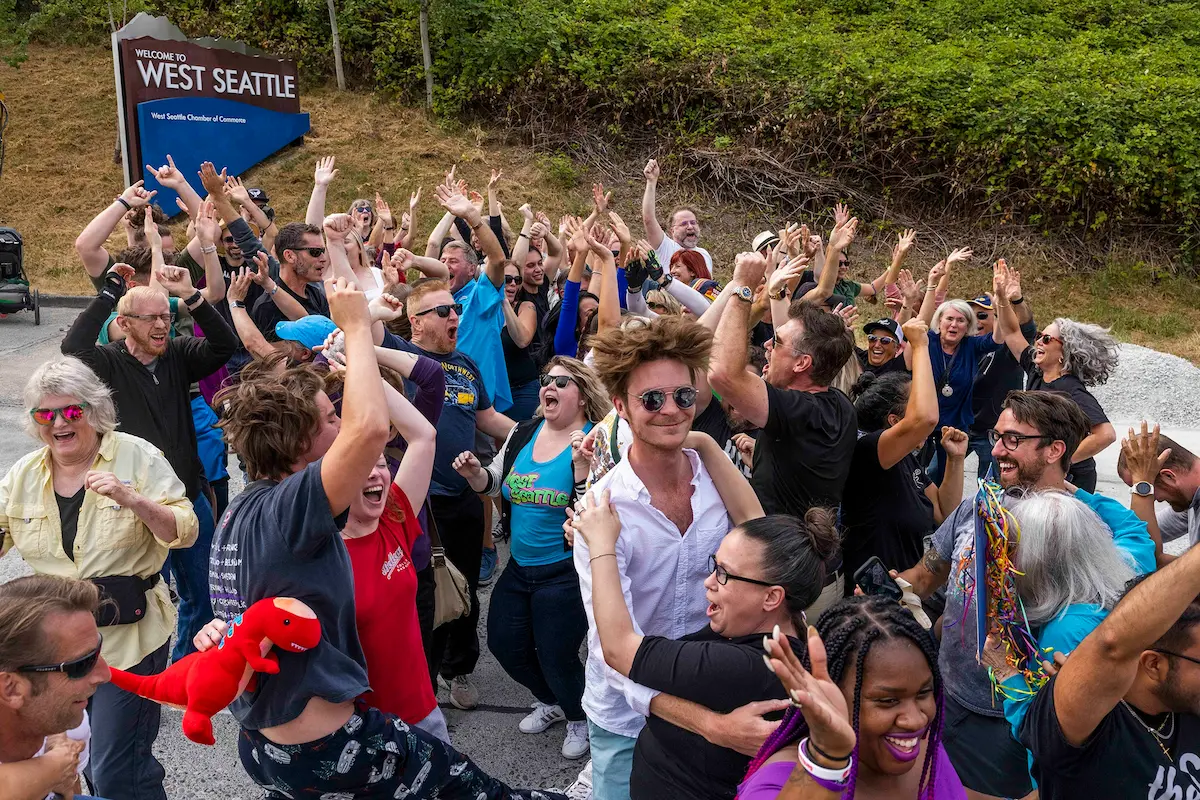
<point x="50" y="666"/>
<point x="151" y="376"/>
<point x="1120" y="718"/>
<point x="683" y="227"/>
<point x="1032" y="443"/>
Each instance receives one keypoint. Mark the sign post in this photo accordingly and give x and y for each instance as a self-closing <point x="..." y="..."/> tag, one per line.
<point x="199" y="100"/>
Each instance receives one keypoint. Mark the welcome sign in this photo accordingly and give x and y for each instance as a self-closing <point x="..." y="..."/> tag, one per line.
<point x="199" y="100"/>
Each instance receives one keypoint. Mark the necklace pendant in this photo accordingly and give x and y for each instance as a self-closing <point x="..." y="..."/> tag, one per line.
<point x="947" y="390"/>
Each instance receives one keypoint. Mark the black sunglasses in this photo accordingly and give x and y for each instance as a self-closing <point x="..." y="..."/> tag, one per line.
<point x="981" y="315"/>
<point x="560" y="381"/>
<point x="777" y="342"/>
<point x="653" y="400"/>
<point x="724" y="576"/>
<point x="74" y="670"/>
<point x="872" y="338"/>
<point x="1012" y="440"/>
<point x="512" y="279"/>
<point x="442" y="311"/>
<point x="315" y="252"/>
<point x="227" y="240"/>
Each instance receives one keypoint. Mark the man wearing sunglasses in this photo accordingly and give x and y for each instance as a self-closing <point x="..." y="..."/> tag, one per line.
<point x="50" y="665"/>
<point x="1033" y="440"/>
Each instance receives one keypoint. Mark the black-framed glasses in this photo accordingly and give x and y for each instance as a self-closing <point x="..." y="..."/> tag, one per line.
<point x="1177" y="655"/>
<point x="443" y="311"/>
<point x="315" y="252"/>
<point x="653" y="400"/>
<point x="74" y="670"/>
<point x="724" y="576"/>
<point x="1013" y="440"/>
<point x="872" y="338"/>
<point x="777" y="342"/>
<point x="560" y="381"/>
<point x="163" y="318"/>
<point x="46" y="416"/>
<point x="512" y="279"/>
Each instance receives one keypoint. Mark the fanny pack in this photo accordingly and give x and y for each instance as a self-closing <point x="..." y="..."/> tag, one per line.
<point x="123" y="598"/>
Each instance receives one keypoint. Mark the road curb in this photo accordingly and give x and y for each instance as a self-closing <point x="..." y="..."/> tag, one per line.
<point x="65" y="300"/>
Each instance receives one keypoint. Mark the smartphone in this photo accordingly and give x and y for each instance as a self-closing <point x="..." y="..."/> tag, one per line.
<point x="873" y="578"/>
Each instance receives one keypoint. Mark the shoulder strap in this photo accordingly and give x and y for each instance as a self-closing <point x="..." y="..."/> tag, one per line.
<point x="435" y="541"/>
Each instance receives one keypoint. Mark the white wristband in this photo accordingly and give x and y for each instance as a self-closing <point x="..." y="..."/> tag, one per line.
<point x="212" y="248"/>
<point x="841" y="775"/>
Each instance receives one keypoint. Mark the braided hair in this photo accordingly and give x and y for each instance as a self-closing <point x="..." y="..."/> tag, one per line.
<point x="849" y="629"/>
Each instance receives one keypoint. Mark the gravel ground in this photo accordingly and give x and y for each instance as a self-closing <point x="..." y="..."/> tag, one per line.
<point x="1154" y="386"/>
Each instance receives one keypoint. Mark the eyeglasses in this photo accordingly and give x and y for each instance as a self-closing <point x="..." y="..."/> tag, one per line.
<point x="315" y="252"/>
<point x="1012" y="440"/>
<point x="512" y="279"/>
<point x="981" y="315"/>
<point x="46" y="416"/>
<point x="163" y="318"/>
<point x="872" y="338"/>
<point x="776" y="341"/>
<point x="724" y="576"/>
<point x="1046" y="338"/>
<point x="1177" y="655"/>
<point x="442" y="311"/>
<point x="653" y="400"/>
<point x="74" y="670"/>
<point x="560" y="381"/>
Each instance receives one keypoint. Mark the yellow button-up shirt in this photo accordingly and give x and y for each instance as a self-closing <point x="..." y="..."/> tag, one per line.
<point x="111" y="540"/>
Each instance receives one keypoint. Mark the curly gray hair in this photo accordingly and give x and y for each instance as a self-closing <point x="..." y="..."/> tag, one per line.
<point x="1090" y="352"/>
<point x="70" y="377"/>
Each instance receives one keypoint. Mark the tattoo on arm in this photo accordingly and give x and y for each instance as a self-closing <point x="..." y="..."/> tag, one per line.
<point x="934" y="562"/>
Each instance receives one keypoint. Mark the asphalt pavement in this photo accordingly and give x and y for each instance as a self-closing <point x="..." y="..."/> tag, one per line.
<point x="488" y="734"/>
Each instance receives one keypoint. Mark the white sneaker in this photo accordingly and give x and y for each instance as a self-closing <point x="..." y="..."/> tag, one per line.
<point x="581" y="789"/>
<point x="576" y="745"/>
<point x="541" y="718"/>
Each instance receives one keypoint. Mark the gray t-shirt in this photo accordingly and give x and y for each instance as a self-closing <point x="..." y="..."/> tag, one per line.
<point x="282" y="540"/>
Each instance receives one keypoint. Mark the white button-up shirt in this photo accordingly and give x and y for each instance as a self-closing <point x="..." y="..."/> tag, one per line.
<point x="662" y="578"/>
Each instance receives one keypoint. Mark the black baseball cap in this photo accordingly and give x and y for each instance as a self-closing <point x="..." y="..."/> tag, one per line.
<point x="258" y="195"/>
<point x="888" y="324"/>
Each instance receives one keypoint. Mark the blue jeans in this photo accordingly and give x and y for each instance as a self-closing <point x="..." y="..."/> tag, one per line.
<point x="124" y="727"/>
<point x="535" y="626"/>
<point x="980" y="446"/>
<point x="525" y="400"/>
<point x="190" y="567"/>
<point x="612" y="763"/>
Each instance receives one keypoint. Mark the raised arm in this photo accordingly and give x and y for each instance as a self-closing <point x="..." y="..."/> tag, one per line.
<point x="239" y="194"/>
<point x="929" y="303"/>
<point x="654" y="231"/>
<point x="921" y="414"/>
<point x="429" y="267"/>
<point x="899" y="253"/>
<point x="737" y="495"/>
<point x="452" y="199"/>
<point x="208" y="231"/>
<point x="364" y="430"/>
<point x="336" y="226"/>
<point x="521" y="324"/>
<point x="420" y="436"/>
<point x="839" y="240"/>
<point x="89" y="245"/>
<point x="170" y="177"/>
<point x="1144" y="462"/>
<point x="385" y="223"/>
<point x="322" y="177"/>
<point x="252" y="339"/>
<point x="728" y="375"/>
<point x="779" y="287"/>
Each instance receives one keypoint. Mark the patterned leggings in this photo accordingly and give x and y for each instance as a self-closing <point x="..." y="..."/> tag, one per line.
<point x="374" y="755"/>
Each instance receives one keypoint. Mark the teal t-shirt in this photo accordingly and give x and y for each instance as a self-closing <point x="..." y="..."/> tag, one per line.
<point x="539" y="493"/>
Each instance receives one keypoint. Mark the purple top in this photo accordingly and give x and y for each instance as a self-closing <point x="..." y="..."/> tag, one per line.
<point x="767" y="782"/>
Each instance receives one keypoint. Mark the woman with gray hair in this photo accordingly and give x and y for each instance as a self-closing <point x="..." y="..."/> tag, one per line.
<point x="1071" y="569"/>
<point x="1068" y="357"/>
<point x="954" y="351"/>
<point x="96" y="504"/>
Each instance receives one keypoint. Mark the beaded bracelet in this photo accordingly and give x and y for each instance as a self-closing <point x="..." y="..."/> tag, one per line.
<point x="833" y="780"/>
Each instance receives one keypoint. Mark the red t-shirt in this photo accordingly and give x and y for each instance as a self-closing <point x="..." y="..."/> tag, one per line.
<point x="385" y="601"/>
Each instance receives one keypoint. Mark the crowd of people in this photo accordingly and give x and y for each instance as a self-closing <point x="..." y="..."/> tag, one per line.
<point x="747" y="499"/>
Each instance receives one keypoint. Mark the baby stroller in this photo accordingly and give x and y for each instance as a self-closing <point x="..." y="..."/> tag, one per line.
<point x="15" y="294"/>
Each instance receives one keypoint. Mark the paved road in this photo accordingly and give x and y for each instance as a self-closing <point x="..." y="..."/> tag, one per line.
<point x="489" y="735"/>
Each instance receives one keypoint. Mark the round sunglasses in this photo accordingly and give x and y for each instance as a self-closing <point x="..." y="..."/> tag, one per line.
<point x="653" y="400"/>
<point x="46" y="416"/>
<point x="74" y="670"/>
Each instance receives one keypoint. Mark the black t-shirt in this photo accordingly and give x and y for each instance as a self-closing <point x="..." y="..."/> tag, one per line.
<point x="1072" y="387"/>
<point x="522" y="368"/>
<point x="804" y="450"/>
<point x="892" y="365"/>
<point x="999" y="373"/>
<point x="715" y="422"/>
<point x="719" y="674"/>
<point x="68" y="517"/>
<point x="1121" y="759"/>
<point x="266" y="314"/>
<point x="282" y="540"/>
<point x="885" y="511"/>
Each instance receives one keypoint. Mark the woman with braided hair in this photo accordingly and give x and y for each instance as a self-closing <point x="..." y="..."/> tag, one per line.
<point x="868" y="704"/>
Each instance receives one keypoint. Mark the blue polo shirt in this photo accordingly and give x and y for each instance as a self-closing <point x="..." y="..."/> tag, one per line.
<point x="957" y="410"/>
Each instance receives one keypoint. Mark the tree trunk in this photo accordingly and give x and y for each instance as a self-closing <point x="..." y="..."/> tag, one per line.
<point x="337" y="47"/>
<point x="425" y="53"/>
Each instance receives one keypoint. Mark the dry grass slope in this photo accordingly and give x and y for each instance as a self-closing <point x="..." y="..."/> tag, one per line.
<point x="59" y="171"/>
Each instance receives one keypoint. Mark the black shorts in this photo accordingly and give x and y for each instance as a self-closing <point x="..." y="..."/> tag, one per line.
<point x="374" y="755"/>
<point x="984" y="753"/>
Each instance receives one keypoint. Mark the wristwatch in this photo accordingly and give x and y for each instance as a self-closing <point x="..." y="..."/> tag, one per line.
<point x="744" y="293"/>
<point x="780" y="295"/>
<point x="1143" y="489"/>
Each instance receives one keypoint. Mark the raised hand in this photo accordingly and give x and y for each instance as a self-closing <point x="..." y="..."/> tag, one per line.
<point x="954" y="441"/>
<point x="347" y="304"/>
<point x="108" y="485"/>
<point x="539" y="232"/>
<point x="791" y="270"/>
<point x="150" y="228"/>
<point x="1142" y="458"/>
<point x="208" y="223"/>
<point x="453" y="200"/>
<point x="909" y="289"/>
<point x="337" y="226"/>
<point x="526" y="212"/>
<point x="390" y="268"/>
<point x="214" y="182"/>
<point x="893" y="304"/>
<point x="384" y="211"/>
<point x="749" y="269"/>
<point x="413" y="199"/>
<point x="325" y="172"/>
<point x="1014" y="284"/>
<point x="494" y="181"/>
<point x="907" y="239"/>
<point x="176" y="280"/>
<point x="477" y="200"/>
<point x="167" y="175"/>
<point x="136" y="196"/>
<point x="237" y="191"/>
<point x="239" y="285"/>
<point x="842" y="236"/>
<point x="938" y="272"/>
<point x="262" y="272"/>
<point x="820" y="699"/>
<point x="849" y="315"/>
<point x="600" y="199"/>
<point x="620" y="229"/>
<point x="959" y="254"/>
<point x="651" y="171"/>
<point x="841" y="215"/>
<point x="1000" y="278"/>
<point x="916" y="332"/>
<point x="386" y="308"/>
<point x="123" y="274"/>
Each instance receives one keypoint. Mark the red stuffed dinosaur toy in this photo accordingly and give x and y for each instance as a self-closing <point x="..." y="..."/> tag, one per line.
<point x="204" y="683"/>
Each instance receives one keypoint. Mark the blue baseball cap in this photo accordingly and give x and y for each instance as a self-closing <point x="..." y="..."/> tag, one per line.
<point x="983" y="301"/>
<point x="309" y="331"/>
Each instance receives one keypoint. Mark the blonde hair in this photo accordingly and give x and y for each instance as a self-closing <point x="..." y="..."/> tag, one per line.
<point x="127" y="301"/>
<point x="70" y="377"/>
<point x="659" y="297"/>
<point x="596" y="404"/>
